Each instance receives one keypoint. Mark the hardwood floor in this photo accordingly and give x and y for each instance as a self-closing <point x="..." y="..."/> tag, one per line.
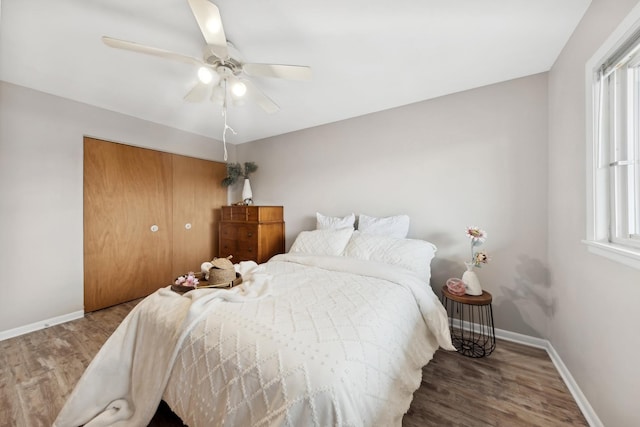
<point x="515" y="386"/>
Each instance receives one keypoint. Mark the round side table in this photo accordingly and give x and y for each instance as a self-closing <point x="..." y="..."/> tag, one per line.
<point x="470" y="322"/>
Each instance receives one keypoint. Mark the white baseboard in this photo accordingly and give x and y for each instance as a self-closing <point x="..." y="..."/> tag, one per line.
<point x="522" y="339"/>
<point x="584" y="405"/>
<point x="5" y="335"/>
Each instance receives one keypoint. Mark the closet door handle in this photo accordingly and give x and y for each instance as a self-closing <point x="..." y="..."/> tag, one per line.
<point x="154" y="228"/>
<point x="187" y="226"/>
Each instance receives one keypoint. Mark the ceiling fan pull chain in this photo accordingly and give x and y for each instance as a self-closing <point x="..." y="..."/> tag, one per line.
<point x="226" y="126"/>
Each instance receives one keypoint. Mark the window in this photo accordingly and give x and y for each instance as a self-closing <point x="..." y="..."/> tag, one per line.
<point x="613" y="164"/>
<point x="617" y="142"/>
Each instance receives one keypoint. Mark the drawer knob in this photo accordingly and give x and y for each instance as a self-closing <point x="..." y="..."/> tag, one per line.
<point x="249" y="234"/>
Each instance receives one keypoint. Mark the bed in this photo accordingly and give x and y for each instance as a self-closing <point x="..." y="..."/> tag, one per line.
<point x="335" y="332"/>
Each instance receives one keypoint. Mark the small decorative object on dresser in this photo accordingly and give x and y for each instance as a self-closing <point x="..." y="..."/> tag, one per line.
<point x="469" y="277"/>
<point x="247" y="194"/>
<point x="251" y="233"/>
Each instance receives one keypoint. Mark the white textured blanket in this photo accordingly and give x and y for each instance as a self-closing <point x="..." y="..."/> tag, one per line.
<point x="123" y="385"/>
<point x="304" y="341"/>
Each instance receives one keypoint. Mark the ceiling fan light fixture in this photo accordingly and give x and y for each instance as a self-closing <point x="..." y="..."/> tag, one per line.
<point x="205" y="75"/>
<point x="238" y="88"/>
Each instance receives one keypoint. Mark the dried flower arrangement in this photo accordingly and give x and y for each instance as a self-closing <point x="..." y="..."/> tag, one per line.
<point x="477" y="236"/>
<point x="235" y="171"/>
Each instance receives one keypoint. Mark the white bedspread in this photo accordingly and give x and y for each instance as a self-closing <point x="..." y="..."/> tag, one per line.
<point x="304" y="341"/>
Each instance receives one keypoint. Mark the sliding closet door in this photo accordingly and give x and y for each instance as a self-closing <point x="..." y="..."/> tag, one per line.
<point x="127" y="222"/>
<point x="197" y="198"/>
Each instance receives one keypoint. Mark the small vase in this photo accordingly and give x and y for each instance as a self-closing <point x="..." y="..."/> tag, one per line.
<point x="471" y="281"/>
<point x="247" y="195"/>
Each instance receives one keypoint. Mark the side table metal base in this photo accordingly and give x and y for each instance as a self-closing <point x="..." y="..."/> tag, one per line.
<point x="470" y="323"/>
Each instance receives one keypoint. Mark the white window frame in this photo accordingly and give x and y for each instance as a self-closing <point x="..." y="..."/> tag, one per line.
<point x="603" y="176"/>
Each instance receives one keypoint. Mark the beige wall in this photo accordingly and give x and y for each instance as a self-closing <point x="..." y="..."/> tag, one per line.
<point x="474" y="158"/>
<point x="594" y="326"/>
<point x="41" y="195"/>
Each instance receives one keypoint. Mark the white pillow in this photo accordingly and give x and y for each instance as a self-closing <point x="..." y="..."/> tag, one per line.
<point x="322" y="242"/>
<point x="392" y="226"/>
<point x="410" y="254"/>
<point x="333" y="222"/>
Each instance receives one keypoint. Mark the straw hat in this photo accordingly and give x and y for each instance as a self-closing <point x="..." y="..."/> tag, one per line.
<point x="222" y="274"/>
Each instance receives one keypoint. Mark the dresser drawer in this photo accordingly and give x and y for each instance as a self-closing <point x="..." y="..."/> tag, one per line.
<point x="228" y="231"/>
<point x="247" y="233"/>
<point x="247" y="245"/>
<point x="252" y="213"/>
<point x="227" y="247"/>
<point x="233" y="213"/>
<point x="246" y="253"/>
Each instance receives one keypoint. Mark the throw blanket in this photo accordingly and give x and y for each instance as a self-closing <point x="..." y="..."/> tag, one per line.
<point x="124" y="383"/>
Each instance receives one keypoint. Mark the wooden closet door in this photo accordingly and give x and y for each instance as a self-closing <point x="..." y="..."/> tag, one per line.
<point x="197" y="198"/>
<point x="127" y="190"/>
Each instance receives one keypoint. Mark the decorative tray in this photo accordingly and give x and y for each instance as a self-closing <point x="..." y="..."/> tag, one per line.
<point x="204" y="284"/>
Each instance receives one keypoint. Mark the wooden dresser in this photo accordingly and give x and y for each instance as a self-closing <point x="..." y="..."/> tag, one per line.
<point x="251" y="233"/>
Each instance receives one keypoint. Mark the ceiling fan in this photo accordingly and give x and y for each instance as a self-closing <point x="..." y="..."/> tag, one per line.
<point x="221" y="68"/>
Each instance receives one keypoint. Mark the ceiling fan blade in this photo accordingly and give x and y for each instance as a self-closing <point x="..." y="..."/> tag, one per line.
<point x="291" y="72"/>
<point x="210" y="23"/>
<point x="136" y="47"/>
<point x="198" y="93"/>
<point x="260" y="98"/>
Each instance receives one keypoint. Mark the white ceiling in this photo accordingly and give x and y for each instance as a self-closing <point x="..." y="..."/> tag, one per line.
<point x="366" y="55"/>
